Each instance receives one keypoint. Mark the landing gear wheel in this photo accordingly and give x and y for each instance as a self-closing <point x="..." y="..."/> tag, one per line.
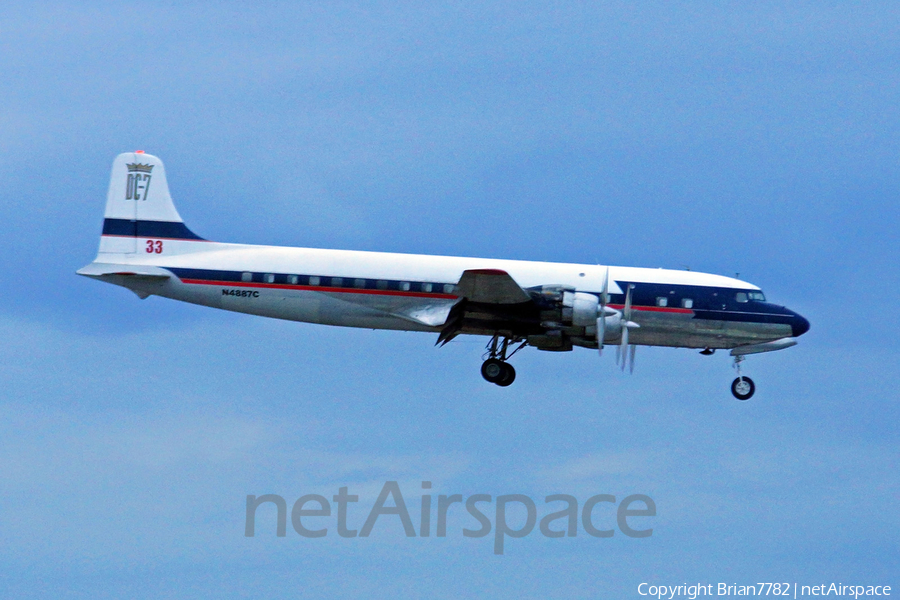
<point x="498" y="372"/>
<point x="493" y="370"/>
<point x="743" y="388"/>
<point x="509" y="375"/>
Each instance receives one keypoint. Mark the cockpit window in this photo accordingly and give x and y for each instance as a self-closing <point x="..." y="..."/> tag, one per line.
<point x="741" y="296"/>
<point x="758" y="296"/>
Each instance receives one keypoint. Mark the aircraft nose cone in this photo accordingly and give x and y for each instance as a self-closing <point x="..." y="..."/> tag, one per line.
<point x="799" y="325"/>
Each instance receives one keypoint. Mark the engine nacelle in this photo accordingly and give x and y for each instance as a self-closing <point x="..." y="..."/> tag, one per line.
<point x="553" y="341"/>
<point x="585" y="309"/>
<point x="566" y="313"/>
<point x="577" y="309"/>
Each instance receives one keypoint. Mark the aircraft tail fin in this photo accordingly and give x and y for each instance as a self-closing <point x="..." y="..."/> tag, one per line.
<point x="139" y="210"/>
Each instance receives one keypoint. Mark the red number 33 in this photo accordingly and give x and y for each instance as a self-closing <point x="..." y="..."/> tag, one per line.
<point x="154" y="246"/>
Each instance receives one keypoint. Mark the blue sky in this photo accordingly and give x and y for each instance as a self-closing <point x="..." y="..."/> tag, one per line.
<point x="761" y="140"/>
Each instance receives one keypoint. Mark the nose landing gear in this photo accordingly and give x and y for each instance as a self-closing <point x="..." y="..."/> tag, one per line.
<point x="495" y="369"/>
<point x="742" y="388"/>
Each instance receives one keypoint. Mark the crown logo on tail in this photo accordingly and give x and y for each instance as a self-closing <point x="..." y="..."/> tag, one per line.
<point x="139" y="168"/>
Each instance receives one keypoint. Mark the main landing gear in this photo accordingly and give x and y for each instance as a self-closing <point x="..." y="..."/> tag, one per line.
<point x="495" y="369"/>
<point x="499" y="372"/>
<point x="742" y="388"/>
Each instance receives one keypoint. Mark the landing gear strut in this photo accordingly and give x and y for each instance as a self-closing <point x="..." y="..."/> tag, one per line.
<point x="495" y="369"/>
<point x="742" y="388"/>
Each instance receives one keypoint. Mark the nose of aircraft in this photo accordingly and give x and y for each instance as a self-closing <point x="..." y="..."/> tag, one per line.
<point x="799" y="325"/>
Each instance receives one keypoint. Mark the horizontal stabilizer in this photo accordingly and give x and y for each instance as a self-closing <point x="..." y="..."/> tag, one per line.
<point x="491" y="286"/>
<point x="145" y="272"/>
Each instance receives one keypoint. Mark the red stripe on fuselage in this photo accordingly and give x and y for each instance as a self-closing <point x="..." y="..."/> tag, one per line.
<point x="684" y="311"/>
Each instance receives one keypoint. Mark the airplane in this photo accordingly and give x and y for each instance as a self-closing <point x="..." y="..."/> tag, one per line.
<point x="146" y="247"/>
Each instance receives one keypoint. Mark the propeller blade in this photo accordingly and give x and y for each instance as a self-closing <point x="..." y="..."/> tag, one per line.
<point x="623" y="347"/>
<point x="626" y="312"/>
<point x="633" y="349"/>
<point x="601" y="331"/>
<point x="604" y="291"/>
<point x="601" y="313"/>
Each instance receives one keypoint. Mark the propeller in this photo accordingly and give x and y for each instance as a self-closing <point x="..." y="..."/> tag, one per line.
<point x="623" y="352"/>
<point x="601" y="316"/>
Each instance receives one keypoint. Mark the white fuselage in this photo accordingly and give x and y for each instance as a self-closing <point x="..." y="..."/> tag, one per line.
<point x="199" y="267"/>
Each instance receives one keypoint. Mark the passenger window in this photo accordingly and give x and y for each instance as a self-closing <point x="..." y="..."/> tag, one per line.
<point x="270" y="278"/>
<point x="662" y="301"/>
<point x="381" y="284"/>
<point x="426" y="287"/>
<point x="740" y="297"/>
<point x="246" y="276"/>
<point x="404" y="286"/>
<point x="448" y="288"/>
<point x="360" y="283"/>
<point x="293" y="279"/>
<point x="314" y="280"/>
<point x="687" y="303"/>
<point x="337" y="281"/>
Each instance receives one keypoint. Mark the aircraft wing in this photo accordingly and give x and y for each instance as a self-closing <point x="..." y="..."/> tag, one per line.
<point x="491" y="286"/>
<point x="490" y="300"/>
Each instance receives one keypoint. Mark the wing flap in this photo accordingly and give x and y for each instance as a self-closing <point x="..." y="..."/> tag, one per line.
<point x="488" y="299"/>
<point x="491" y="286"/>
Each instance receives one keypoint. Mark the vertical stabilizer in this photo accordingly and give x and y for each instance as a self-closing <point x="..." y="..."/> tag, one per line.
<point x="139" y="207"/>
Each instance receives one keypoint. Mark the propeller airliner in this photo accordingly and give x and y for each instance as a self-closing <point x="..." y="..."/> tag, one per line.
<point x="146" y="247"/>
